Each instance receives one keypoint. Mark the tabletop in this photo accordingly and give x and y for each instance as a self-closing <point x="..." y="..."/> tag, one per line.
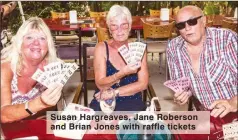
<point x="86" y="24"/>
<point x="156" y="20"/>
<point x="90" y="24"/>
<point x="232" y="19"/>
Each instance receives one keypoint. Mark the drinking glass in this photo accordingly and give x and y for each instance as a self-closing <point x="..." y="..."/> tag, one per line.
<point x="107" y="100"/>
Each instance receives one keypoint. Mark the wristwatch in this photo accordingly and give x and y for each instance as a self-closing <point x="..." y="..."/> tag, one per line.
<point x="28" y="110"/>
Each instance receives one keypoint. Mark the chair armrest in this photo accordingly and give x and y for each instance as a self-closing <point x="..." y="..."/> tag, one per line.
<point x="151" y="94"/>
<point x="78" y="94"/>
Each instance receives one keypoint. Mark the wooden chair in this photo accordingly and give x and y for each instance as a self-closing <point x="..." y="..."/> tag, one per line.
<point x="71" y="51"/>
<point x="229" y="25"/>
<point x="99" y="17"/>
<point x="156" y="37"/>
<point x="58" y="15"/>
<point x="217" y="19"/>
<point x="88" y="71"/>
<point x="70" y="94"/>
<point x="63" y="37"/>
<point x="154" y="12"/>
<point x="78" y="94"/>
<point x="175" y="11"/>
<point x="97" y="14"/>
<point x="102" y="34"/>
<point x="170" y="12"/>
<point x="209" y="24"/>
<point x="152" y="31"/>
<point x="150" y="93"/>
<point x="88" y="74"/>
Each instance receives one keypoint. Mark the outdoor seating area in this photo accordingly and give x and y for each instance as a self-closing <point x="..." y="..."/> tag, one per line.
<point x="78" y="26"/>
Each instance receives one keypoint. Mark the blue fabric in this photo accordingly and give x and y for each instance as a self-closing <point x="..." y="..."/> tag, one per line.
<point x="123" y="103"/>
<point x="123" y="134"/>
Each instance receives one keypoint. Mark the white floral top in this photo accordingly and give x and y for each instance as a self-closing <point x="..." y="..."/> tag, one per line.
<point x="19" y="98"/>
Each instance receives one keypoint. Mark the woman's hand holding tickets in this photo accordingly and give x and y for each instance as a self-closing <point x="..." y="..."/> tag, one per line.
<point x="182" y="97"/>
<point x="131" y="68"/>
<point x="51" y="96"/>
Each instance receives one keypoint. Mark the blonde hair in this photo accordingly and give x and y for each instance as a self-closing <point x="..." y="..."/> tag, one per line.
<point x="119" y="11"/>
<point x="13" y="51"/>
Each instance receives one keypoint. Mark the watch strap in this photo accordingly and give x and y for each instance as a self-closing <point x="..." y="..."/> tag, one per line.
<point x="28" y="110"/>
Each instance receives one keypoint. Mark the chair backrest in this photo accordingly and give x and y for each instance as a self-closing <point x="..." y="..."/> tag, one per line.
<point x="175" y="11"/>
<point x="154" y="12"/>
<point x="88" y="70"/>
<point x="150" y="92"/>
<point x="229" y="25"/>
<point x="97" y="14"/>
<point x="102" y="34"/>
<point x="88" y="55"/>
<point x="157" y="31"/>
<point x="71" y="51"/>
<point x="209" y="24"/>
<point x="56" y="15"/>
<point x="217" y="19"/>
<point x="157" y="12"/>
<point x="170" y="11"/>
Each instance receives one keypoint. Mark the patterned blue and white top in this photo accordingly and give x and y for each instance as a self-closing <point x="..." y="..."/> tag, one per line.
<point x="19" y="98"/>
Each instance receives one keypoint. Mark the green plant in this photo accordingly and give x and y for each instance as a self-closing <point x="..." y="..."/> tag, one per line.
<point x="42" y="9"/>
<point x="211" y="8"/>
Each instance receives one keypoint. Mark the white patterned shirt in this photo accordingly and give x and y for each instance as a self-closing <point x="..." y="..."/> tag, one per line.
<point x="217" y="78"/>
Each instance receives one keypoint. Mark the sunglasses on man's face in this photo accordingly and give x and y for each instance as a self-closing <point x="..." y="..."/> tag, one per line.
<point x="190" y="22"/>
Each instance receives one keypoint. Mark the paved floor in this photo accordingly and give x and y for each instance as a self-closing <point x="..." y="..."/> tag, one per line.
<point x="157" y="80"/>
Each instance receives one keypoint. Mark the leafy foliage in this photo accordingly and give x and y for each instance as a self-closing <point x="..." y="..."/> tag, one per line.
<point x="137" y="8"/>
<point x="42" y="9"/>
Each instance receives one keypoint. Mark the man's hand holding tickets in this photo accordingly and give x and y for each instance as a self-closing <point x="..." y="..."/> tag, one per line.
<point x="181" y="88"/>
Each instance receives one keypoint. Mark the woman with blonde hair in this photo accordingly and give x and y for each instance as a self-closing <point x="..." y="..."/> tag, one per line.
<point x="110" y="69"/>
<point x="32" y="48"/>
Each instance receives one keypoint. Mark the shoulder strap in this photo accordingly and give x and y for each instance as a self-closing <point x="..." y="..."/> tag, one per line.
<point x="107" y="49"/>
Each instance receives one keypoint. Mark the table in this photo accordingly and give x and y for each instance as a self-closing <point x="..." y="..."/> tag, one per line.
<point x="63" y="24"/>
<point x="137" y="23"/>
<point x="232" y="19"/>
<point x="28" y="128"/>
<point x="59" y="24"/>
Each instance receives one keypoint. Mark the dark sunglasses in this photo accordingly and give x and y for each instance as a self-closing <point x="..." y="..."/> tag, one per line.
<point x="190" y="22"/>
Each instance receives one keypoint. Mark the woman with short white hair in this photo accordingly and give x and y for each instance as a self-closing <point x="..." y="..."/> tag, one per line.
<point x="32" y="48"/>
<point x="111" y="70"/>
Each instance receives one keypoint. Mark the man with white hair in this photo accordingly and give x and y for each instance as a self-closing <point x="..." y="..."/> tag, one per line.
<point x="208" y="56"/>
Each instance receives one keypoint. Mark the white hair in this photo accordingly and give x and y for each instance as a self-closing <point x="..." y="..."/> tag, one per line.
<point x="13" y="51"/>
<point x="121" y="12"/>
